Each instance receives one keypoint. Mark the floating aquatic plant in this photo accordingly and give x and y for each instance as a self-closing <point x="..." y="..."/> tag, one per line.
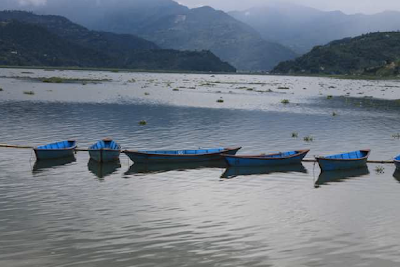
<point x="329" y="97"/>
<point x="29" y="92"/>
<point x="308" y="138"/>
<point x="285" y="101"/>
<point x="220" y="101"/>
<point x="53" y="80"/>
<point x="295" y="135"/>
<point x="379" y="169"/>
<point x="396" y="135"/>
<point x="142" y="122"/>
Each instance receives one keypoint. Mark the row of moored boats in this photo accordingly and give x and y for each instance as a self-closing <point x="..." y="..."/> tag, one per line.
<point x="107" y="150"/>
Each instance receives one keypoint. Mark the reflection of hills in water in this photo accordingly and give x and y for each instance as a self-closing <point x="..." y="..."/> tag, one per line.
<point x="340" y="175"/>
<point x="232" y="172"/>
<point x="143" y="168"/>
<point x="396" y="175"/>
<point x="41" y="165"/>
<point x="102" y="170"/>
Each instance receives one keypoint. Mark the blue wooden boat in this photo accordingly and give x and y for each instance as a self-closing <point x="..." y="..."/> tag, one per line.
<point x="283" y="158"/>
<point x="168" y="156"/>
<point x="105" y="150"/>
<point x="350" y="160"/>
<point x="56" y="150"/>
<point x="397" y="162"/>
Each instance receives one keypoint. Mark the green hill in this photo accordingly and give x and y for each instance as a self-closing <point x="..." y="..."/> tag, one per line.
<point x="173" y="26"/>
<point x="369" y="54"/>
<point x="27" y="39"/>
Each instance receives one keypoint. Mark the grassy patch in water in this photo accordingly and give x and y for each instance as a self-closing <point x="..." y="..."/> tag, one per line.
<point x="308" y="138"/>
<point x="396" y="135"/>
<point x="295" y="135"/>
<point x="142" y="122"/>
<point x="29" y="92"/>
<point x="220" y="101"/>
<point x="285" y="101"/>
<point x="379" y="169"/>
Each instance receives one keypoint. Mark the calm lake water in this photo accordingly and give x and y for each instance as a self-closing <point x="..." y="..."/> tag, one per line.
<point x="75" y="212"/>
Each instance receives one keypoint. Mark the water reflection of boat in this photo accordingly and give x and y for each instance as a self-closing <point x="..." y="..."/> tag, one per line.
<point x="232" y="172"/>
<point x="143" y="168"/>
<point x="396" y="175"/>
<point x="340" y="175"/>
<point x="41" y="165"/>
<point x="104" y="169"/>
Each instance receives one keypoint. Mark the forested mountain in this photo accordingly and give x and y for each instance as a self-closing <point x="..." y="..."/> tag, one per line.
<point x="173" y="26"/>
<point x="369" y="54"/>
<point x="301" y="28"/>
<point x="56" y="41"/>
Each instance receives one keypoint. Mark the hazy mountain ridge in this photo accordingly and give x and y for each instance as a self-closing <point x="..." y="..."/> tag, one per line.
<point x="369" y="54"/>
<point x="171" y="25"/>
<point x="78" y="46"/>
<point x="302" y="28"/>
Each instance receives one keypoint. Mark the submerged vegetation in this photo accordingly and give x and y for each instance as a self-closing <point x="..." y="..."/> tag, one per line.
<point x="308" y="138"/>
<point x="379" y="169"/>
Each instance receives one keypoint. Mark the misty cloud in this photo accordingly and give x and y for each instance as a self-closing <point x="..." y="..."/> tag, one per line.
<point x="32" y="2"/>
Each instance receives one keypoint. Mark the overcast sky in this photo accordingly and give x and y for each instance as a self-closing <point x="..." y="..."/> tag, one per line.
<point x="347" y="6"/>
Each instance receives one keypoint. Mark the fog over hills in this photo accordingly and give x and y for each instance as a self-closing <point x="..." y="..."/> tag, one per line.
<point x="254" y="39"/>
<point x="174" y="26"/>
<point x="301" y="28"/>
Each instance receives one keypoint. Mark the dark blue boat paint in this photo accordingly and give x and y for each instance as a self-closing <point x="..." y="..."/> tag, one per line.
<point x="105" y="150"/>
<point x="167" y="156"/>
<point x="283" y="158"/>
<point x="56" y="150"/>
<point x="350" y="160"/>
<point x="397" y="162"/>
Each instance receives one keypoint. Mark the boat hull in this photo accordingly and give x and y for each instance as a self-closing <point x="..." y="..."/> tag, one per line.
<point x="249" y="161"/>
<point x="44" y="154"/>
<point x="141" y="157"/>
<point x="397" y="163"/>
<point x="334" y="163"/>
<point x="104" y="155"/>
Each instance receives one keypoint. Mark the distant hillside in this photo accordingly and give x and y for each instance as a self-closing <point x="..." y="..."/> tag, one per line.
<point x="301" y="28"/>
<point x="369" y="54"/>
<point x="30" y="45"/>
<point x="173" y="26"/>
<point x="55" y="41"/>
